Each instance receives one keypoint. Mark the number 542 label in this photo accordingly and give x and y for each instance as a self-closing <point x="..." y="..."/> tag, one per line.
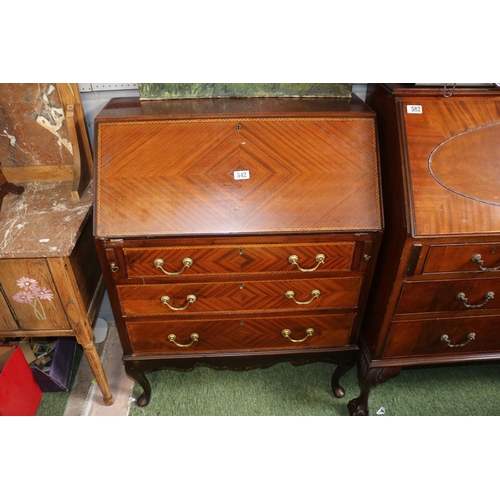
<point x="415" y="109"/>
<point x="241" y="174"/>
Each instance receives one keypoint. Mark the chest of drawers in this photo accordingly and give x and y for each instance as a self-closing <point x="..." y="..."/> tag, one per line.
<point x="237" y="232"/>
<point x="435" y="297"/>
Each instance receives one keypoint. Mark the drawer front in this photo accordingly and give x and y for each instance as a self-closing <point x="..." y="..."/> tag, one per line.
<point x="416" y="338"/>
<point x="230" y="335"/>
<point x="203" y="298"/>
<point x="449" y="295"/>
<point x="481" y="258"/>
<point x="228" y="259"/>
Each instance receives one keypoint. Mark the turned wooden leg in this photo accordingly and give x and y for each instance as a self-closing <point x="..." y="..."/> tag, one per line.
<point x="337" y="389"/>
<point x="95" y="364"/>
<point x="69" y="294"/>
<point x="139" y="376"/>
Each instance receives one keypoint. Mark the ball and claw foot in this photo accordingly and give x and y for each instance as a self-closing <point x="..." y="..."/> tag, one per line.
<point x="357" y="408"/>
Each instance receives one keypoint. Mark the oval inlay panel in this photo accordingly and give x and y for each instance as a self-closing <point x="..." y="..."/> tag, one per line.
<point x="468" y="164"/>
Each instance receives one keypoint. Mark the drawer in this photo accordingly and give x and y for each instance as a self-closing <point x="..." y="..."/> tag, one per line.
<point x="230" y="335"/>
<point x="481" y="258"/>
<point x="416" y="338"/>
<point x="449" y="295"/>
<point x="231" y="259"/>
<point x="203" y="298"/>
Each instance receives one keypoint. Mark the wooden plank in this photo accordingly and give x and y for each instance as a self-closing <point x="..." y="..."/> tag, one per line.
<point x="35" y="173"/>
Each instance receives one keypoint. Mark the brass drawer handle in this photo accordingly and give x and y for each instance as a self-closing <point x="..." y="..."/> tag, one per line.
<point x="462" y="298"/>
<point x="286" y="333"/>
<point x="470" y="336"/>
<point x="189" y="299"/>
<point x="194" y="338"/>
<point x="477" y="258"/>
<point x="320" y="259"/>
<point x="187" y="262"/>
<point x="291" y="295"/>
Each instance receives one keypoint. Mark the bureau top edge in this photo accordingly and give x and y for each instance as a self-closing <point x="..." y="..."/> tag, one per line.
<point x="132" y="108"/>
<point x="438" y="91"/>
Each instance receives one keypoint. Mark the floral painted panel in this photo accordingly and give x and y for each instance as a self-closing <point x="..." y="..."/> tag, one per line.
<point x="32" y="293"/>
<point x="28" y="286"/>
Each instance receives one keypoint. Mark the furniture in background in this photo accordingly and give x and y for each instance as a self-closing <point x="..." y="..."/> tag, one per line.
<point x="50" y="280"/>
<point x="237" y="232"/>
<point x="435" y="296"/>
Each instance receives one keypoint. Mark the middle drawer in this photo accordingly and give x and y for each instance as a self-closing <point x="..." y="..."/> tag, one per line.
<point x="449" y="295"/>
<point x="217" y="297"/>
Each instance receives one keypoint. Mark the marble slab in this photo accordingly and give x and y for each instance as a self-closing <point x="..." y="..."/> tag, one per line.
<point x="44" y="221"/>
<point x="32" y="126"/>
<point x="197" y="90"/>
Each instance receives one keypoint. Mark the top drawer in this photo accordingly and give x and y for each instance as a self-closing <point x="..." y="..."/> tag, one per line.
<point x="232" y="259"/>
<point x="481" y="258"/>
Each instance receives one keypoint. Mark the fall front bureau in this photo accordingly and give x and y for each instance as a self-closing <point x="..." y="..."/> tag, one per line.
<point x="435" y="297"/>
<point x="237" y="232"/>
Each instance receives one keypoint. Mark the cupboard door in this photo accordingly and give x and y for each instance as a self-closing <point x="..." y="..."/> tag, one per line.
<point x="28" y="286"/>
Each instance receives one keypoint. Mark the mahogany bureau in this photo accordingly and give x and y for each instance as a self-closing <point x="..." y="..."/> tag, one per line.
<point x="436" y="292"/>
<point x="237" y="232"/>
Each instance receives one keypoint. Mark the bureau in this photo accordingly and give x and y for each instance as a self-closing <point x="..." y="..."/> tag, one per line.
<point x="237" y="232"/>
<point x="435" y="297"/>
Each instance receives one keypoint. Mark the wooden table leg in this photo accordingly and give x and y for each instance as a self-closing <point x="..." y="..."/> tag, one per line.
<point x="95" y="364"/>
<point x="77" y="315"/>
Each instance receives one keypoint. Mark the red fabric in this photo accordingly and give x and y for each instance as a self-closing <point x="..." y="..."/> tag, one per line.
<point x="20" y="394"/>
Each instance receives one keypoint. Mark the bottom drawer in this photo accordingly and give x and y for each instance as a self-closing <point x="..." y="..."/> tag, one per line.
<point x="229" y="335"/>
<point x="463" y="335"/>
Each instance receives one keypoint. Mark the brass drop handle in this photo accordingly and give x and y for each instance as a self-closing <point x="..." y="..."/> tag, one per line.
<point x="194" y="338"/>
<point x="189" y="299"/>
<point x="286" y="333"/>
<point x="114" y="267"/>
<point x="470" y="336"/>
<point x="320" y="259"/>
<point x="477" y="259"/>
<point x="462" y="298"/>
<point x="291" y="295"/>
<point x="159" y="263"/>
